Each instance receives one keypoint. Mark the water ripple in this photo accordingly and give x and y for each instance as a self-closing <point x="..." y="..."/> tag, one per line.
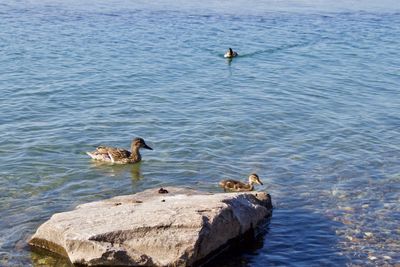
<point x="311" y="105"/>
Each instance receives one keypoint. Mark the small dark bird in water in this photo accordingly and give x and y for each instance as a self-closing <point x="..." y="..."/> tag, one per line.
<point x="236" y="186"/>
<point x="119" y="155"/>
<point x="163" y="191"/>
<point x="230" y="53"/>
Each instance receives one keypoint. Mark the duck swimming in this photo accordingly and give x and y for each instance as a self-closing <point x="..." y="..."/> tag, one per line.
<point x="233" y="185"/>
<point x="119" y="155"/>
<point x="230" y="53"/>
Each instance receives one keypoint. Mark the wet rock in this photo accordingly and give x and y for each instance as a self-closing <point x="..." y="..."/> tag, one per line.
<point x="144" y="230"/>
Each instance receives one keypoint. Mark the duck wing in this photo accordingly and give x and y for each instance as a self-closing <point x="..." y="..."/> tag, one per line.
<point x="110" y="154"/>
<point x="232" y="185"/>
<point x="101" y="153"/>
<point x="116" y="154"/>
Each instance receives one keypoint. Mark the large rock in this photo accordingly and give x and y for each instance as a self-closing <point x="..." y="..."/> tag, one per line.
<point x="152" y="229"/>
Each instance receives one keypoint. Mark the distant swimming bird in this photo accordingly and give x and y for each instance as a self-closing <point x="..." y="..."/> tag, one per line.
<point x="230" y="53"/>
<point x="233" y="185"/>
<point x="119" y="155"/>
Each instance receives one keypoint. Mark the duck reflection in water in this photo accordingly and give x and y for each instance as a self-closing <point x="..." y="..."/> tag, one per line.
<point x="118" y="170"/>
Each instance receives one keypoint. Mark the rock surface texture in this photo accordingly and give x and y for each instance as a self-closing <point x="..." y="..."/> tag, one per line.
<point x="177" y="228"/>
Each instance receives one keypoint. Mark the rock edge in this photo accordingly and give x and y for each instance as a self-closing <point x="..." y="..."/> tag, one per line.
<point x="178" y="228"/>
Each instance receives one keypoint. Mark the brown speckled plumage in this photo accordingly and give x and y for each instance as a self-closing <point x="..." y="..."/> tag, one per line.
<point x="236" y="186"/>
<point x="119" y="155"/>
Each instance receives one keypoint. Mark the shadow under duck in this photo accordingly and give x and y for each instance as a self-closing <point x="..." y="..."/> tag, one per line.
<point x="236" y="186"/>
<point x="119" y="155"/>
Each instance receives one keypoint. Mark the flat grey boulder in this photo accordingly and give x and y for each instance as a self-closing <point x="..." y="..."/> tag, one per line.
<point x="178" y="228"/>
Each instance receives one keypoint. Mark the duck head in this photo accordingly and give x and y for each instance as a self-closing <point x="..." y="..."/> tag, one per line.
<point x="254" y="179"/>
<point x="139" y="143"/>
<point x="230" y="53"/>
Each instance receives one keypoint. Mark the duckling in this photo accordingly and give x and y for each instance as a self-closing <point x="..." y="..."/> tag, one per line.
<point x="162" y="191"/>
<point x="233" y="185"/>
<point x="230" y="53"/>
<point x="119" y="155"/>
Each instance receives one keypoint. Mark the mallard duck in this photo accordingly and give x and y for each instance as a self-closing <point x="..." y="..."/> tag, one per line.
<point x="119" y="155"/>
<point x="230" y="53"/>
<point x="233" y="185"/>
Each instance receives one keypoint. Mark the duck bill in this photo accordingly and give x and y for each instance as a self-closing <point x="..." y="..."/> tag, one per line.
<point x="147" y="147"/>
<point x="260" y="183"/>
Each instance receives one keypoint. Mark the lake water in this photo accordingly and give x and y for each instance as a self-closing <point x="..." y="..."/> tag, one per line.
<point x="312" y="105"/>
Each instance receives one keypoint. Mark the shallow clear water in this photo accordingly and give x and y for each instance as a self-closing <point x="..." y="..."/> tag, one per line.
<point x="311" y="104"/>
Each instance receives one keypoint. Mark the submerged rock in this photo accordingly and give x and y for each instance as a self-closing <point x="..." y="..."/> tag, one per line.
<point x="151" y="229"/>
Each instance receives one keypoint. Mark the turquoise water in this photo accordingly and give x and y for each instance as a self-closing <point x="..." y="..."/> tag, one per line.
<point x="312" y="105"/>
